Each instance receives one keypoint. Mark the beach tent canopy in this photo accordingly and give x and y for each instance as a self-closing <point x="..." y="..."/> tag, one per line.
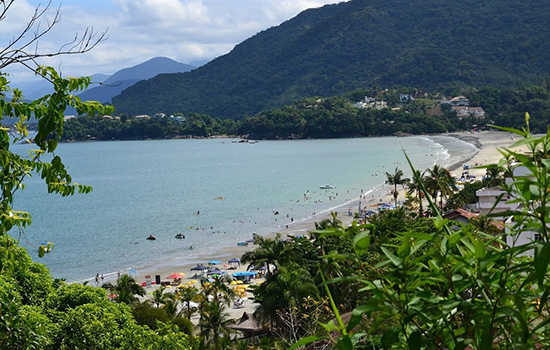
<point x="199" y="268"/>
<point x="214" y="262"/>
<point x="216" y="272"/>
<point x="244" y="274"/>
<point x="235" y="260"/>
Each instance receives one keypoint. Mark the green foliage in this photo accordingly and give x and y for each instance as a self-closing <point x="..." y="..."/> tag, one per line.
<point x="457" y="289"/>
<point x="507" y="106"/>
<point x="306" y="118"/>
<point x="194" y="125"/>
<point x="48" y="111"/>
<point x="148" y="315"/>
<point x="70" y="296"/>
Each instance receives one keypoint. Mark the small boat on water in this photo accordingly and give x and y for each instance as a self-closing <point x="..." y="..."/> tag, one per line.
<point x="327" y="187"/>
<point x="180" y="236"/>
<point x="151" y="238"/>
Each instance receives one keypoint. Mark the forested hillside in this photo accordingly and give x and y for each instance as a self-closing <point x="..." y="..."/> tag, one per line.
<point x="432" y="44"/>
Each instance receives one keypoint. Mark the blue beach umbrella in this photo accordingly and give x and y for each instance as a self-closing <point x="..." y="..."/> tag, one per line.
<point x="214" y="262"/>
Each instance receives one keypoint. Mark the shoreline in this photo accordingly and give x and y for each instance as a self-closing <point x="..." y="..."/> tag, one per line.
<point x="486" y="144"/>
<point x="377" y="194"/>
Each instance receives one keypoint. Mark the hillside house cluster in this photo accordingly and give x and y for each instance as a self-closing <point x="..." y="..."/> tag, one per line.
<point x="160" y="116"/>
<point x="465" y="111"/>
<point x="495" y="200"/>
<point x="460" y="105"/>
<point x="370" y="102"/>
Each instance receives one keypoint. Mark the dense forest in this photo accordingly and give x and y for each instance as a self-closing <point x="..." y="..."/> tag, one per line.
<point x="334" y="117"/>
<point x="432" y="45"/>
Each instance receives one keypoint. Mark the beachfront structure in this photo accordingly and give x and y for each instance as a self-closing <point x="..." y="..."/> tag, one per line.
<point x="488" y="198"/>
<point x="524" y="237"/>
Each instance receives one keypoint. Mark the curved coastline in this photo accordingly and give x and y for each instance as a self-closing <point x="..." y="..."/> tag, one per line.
<point x="374" y="195"/>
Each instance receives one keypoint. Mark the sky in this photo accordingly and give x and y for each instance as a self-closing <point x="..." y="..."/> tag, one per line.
<point x="188" y="31"/>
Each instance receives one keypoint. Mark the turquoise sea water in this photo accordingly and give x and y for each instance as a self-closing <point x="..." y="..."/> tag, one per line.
<point x="159" y="188"/>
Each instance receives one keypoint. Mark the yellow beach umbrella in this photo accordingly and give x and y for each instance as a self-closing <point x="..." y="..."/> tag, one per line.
<point x="233" y="283"/>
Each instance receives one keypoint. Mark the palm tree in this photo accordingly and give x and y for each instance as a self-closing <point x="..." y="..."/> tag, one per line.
<point x="396" y="179"/>
<point x="217" y="288"/>
<point x="213" y="322"/>
<point x="494" y="176"/>
<point x="171" y="306"/>
<point x="187" y="295"/>
<point x="158" y="297"/>
<point x="268" y="252"/>
<point x="438" y="181"/>
<point x="125" y="289"/>
<point x="414" y="187"/>
<point x="328" y="223"/>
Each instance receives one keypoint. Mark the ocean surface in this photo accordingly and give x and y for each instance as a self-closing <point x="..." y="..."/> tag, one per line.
<point x="215" y="192"/>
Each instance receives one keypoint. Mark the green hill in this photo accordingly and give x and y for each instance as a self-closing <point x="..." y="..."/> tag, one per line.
<point x="432" y="44"/>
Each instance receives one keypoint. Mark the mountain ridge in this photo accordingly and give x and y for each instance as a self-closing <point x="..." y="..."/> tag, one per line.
<point x="126" y="77"/>
<point x="433" y="44"/>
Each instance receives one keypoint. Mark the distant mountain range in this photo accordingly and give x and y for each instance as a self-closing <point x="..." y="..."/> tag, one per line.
<point x="429" y="44"/>
<point x="112" y="85"/>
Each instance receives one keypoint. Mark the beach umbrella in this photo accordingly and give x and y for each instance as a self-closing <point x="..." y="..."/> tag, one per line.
<point x="176" y="275"/>
<point x="199" y="268"/>
<point x="214" y="262"/>
<point x="216" y="272"/>
<point x="233" y="283"/>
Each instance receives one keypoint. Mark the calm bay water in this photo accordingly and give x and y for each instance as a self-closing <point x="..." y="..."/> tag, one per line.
<point x="159" y="188"/>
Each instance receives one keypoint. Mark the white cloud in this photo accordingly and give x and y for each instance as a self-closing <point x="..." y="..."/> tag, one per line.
<point x="184" y="30"/>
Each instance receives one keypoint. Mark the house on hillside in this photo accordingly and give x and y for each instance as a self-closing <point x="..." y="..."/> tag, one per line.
<point x="463" y="216"/>
<point x="488" y="198"/>
<point x="465" y="111"/>
<point x="461" y="111"/>
<point x="496" y="200"/>
<point x="460" y="101"/>
<point x="404" y="98"/>
<point x="476" y="112"/>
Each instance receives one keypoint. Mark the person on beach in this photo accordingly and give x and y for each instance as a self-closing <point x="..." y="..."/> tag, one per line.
<point x="97" y="279"/>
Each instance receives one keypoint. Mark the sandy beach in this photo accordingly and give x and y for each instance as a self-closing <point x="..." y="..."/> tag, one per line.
<point x="487" y="143"/>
